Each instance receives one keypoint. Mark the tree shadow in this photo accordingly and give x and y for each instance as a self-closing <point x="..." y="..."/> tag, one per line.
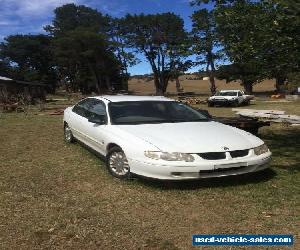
<point x="285" y="145"/>
<point x="264" y="93"/>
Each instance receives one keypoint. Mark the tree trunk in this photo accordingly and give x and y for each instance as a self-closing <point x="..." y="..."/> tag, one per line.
<point x="124" y="81"/>
<point x="165" y="83"/>
<point x="164" y="88"/>
<point x="158" y="87"/>
<point x="248" y="86"/>
<point x="178" y="86"/>
<point x="279" y="82"/>
<point x="73" y="86"/>
<point x="212" y="77"/>
<point x="212" y="83"/>
<point x="107" y="82"/>
<point x="159" y="90"/>
<point x="98" y="83"/>
<point x="98" y="78"/>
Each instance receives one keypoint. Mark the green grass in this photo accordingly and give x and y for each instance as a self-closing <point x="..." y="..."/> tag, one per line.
<point x="55" y="195"/>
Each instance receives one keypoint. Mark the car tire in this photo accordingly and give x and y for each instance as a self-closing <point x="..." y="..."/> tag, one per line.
<point x="117" y="163"/>
<point x="210" y="104"/>
<point x="236" y="104"/>
<point x="68" y="135"/>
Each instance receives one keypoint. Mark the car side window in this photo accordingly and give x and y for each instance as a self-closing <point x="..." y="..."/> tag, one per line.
<point x="239" y="94"/>
<point x="97" y="108"/>
<point x="80" y="108"/>
<point x="90" y="107"/>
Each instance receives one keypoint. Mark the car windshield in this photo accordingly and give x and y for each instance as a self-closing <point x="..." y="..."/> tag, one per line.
<point x="227" y="93"/>
<point x="147" y="112"/>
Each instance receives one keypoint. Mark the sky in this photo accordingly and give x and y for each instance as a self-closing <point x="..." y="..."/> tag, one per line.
<point x="30" y="16"/>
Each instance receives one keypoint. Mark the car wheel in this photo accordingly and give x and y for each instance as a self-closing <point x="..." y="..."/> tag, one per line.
<point x="117" y="163"/>
<point x="236" y="104"/>
<point x="69" y="138"/>
<point x="210" y="104"/>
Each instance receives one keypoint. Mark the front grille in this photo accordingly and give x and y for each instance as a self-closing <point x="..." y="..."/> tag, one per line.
<point x="239" y="153"/>
<point x="213" y="155"/>
<point x="222" y="155"/>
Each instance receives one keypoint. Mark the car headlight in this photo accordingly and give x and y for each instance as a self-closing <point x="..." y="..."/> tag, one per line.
<point x="155" y="155"/>
<point x="261" y="149"/>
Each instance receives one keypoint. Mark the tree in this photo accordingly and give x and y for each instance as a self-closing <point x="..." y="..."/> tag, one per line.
<point x="84" y="59"/>
<point x="248" y="74"/>
<point x="160" y="37"/>
<point x="239" y="31"/>
<point x="5" y="69"/>
<point x="32" y="57"/>
<point x="82" y="48"/>
<point x="206" y="42"/>
<point x="70" y="16"/>
<point x="180" y="67"/>
<point x="265" y="33"/>
<point x="117" y="34"/>
<point x="214" y="2"/>
<point x="180" y="61"/>
<point x="280" y="36"/>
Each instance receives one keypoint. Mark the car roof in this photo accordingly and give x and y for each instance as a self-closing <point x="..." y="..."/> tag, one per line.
<point x="131" y="98"/>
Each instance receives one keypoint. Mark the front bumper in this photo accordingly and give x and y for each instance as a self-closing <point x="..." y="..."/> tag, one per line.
<point x="203" y="169"/>
<point x="222" y="102"/>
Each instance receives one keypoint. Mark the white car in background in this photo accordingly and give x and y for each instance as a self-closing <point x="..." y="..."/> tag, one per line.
<point x="229" y="97"/>
<point x="160" y="138"/>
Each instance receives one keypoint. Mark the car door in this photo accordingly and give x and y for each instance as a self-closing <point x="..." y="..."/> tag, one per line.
<point x="79" y="120"/>
<point x="96" y="133"/>
<point x="240" y="97"/>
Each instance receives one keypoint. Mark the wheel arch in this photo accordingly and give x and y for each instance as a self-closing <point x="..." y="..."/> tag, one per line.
<point x="111" y="145"/>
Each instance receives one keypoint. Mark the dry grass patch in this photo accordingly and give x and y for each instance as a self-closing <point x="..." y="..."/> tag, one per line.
<point x="141" y="86"/>
<point x="55" y="195"/>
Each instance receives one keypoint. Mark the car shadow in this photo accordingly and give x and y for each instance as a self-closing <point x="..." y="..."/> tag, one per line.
<point x="285" y="145"/>
<point x="237" y="180"/>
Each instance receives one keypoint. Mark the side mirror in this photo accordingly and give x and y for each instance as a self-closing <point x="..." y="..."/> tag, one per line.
<point x="99" y="119"/>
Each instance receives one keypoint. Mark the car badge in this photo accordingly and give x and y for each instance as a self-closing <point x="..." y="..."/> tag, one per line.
<point x="225" y="148"/>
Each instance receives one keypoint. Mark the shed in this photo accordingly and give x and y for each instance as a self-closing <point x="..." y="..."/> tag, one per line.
<point x="13" y="90"/>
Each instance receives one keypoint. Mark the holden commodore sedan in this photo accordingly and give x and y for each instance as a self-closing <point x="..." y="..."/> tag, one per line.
<point x="160" y="138"/>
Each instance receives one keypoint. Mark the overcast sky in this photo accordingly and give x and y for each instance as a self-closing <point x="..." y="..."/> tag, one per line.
<point x="30" y="16"/>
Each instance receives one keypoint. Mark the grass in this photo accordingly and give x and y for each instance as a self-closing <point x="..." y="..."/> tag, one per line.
<point x="55" y="195"/>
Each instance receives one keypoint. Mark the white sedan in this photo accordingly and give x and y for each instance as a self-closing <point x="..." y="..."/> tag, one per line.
<point x="160" y="138"/>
